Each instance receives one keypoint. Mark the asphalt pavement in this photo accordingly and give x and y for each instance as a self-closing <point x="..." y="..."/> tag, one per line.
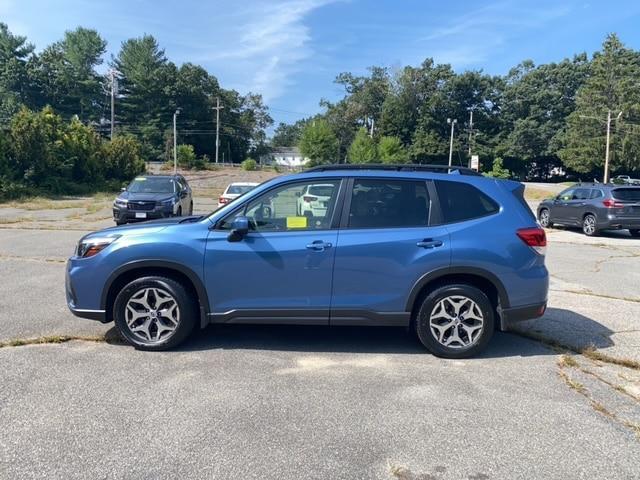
<point x="284" y="402"/>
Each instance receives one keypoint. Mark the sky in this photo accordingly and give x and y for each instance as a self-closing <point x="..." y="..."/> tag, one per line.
<point x="290" y="51"/>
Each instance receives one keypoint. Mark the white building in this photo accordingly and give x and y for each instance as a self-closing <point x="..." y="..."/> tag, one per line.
<point x="284" y="157"/>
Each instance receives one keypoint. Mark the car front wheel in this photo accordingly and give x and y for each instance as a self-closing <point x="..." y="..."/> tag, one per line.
<point x="634" y="233"/>
<point x="154" y="313"/>
<point x="589" y="225"/>
<point x="544" y="218"/>
<point x="455" y="321"/>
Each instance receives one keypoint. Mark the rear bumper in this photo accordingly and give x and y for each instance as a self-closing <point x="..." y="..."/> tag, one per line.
<point x="614" y="222"/>
<point x="509" y="316"/>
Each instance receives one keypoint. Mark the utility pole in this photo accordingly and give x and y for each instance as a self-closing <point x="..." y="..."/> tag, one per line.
<point x="175" y="142"/>
<point x="112" y="77"/>
<point x="453" y="125"/>
<point x="372" y="123"/>
<point x="217" y="108"/>
<point x="470" y="133"/>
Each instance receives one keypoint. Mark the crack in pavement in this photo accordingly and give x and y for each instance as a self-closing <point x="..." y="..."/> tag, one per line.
<point x="34" y="259"/>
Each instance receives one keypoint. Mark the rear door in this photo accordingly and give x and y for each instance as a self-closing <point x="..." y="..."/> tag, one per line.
<point x="385" y="244"/>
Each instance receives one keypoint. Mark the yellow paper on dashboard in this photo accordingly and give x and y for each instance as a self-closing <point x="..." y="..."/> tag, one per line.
<point x="296" y="222"/>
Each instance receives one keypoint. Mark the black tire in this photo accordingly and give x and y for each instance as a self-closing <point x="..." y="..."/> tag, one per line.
<point x="429" y="303"/>
<point x="544" y="218"/>
<point x="187" y="307"/>
<point x="634" y="232"/>
<point x="179" y="212"/>
<point x="191" y="209"/>
<point x="589" y="225"/>
<point x="119" y="223"/>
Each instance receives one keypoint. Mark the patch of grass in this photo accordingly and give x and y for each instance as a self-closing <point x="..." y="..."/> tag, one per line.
<point x="594" y="354"/>
<point x="600" y="408"/>
<point x="50" y="339"/>
<point x="571" y="383"/>
<point x="536" y="194"/>
<point x="567" y="361"/>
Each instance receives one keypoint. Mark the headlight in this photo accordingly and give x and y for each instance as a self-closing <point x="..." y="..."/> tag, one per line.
<point x="120" y="202"/>
<point x="169" y="203"/>
<point x="92" y="246"/>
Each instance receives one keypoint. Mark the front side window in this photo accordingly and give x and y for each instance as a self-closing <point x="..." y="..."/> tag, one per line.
<point x="567" y="195"/>
<point x="388" y="204"/>
<point x="461" y="201"/>
<point x="290" y="207"/>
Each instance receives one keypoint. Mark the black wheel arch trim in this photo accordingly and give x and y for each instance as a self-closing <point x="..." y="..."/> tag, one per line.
<point x="203" y="299"/>
<point x="443" y="272"/>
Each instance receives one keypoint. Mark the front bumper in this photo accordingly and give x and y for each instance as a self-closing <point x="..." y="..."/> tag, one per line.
<point x="124" y="215"/>
<point x="509" y="316"/>
<point x="72" y="300"/>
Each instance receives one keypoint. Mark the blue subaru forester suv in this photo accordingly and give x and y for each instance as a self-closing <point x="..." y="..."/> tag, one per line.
<point x="450" y="253"/>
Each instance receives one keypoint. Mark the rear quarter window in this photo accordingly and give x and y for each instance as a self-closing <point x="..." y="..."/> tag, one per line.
<point x="626" y="194"/>
<point x="461" y="201"/>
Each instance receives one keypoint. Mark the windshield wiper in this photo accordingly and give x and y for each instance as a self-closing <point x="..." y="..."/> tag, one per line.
<point x="191" y="219"/>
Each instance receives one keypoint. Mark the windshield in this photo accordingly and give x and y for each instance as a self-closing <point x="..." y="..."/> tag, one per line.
<point x="626" y="194"/>
<point x="151" y="185"/>
<point x="239" y="189"/>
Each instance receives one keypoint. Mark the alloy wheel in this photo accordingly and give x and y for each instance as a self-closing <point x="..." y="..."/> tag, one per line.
<point x="456" y="322"/>
<point x="589" y="225"/>
<point x="152" y="315"/>
<point x="544" y="218"/>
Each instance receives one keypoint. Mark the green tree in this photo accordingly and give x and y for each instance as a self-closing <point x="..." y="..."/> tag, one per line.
<point x="81" y="146"/>
<point x="122" y="158"/>
<point x="611" y="87"/>
<point x="391" y="150"/>
<point x="186" y="156"/>
<point x="362" y="149"/>
<point x="498" y="170"/>
<point x="318" y="143"/>
<point x="14" y="83"/>
<point x="286" y="135"/>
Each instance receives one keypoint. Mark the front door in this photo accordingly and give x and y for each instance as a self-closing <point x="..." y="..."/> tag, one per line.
<point x="280" y="272"/>
<point x="385" y="245"/>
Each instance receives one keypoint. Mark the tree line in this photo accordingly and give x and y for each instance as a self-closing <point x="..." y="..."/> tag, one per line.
<point x="535" y="122"/>
<point x="55" y="108"/>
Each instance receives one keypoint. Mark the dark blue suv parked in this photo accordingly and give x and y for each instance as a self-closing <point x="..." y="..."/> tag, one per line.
<point x="450" y="253"/>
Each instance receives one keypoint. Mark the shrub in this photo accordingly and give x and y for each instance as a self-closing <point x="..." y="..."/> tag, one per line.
<point x="122" y="158"/>
<point x="249" y="165"/>
<point x="498" y="170"/>
<point x="186" y="156"/>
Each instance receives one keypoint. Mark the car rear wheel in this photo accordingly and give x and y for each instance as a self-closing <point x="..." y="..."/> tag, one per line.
<point x="634" y="233"/>
<point x="154" y="313"/>
<point x="455" y="321"/>
<point x="544" y="218"/>
<point x="589" y="225"/>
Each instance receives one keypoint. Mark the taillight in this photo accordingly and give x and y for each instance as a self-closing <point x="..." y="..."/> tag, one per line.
<point x="535" y="238"/>
<point x="223" y="200"/>
<point x="309" y="199"/>
<point x="610" y="203"/>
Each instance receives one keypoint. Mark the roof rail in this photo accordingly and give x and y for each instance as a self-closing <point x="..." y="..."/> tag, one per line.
<point x="396" y="168"/>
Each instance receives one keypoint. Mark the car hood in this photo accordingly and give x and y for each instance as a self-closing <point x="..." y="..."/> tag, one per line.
<point x="156" y="197"/>
<point x="151" y="226"/>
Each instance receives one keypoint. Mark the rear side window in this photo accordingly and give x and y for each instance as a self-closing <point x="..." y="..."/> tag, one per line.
<point x="626" y="194"/>
<point x="388" y="204"/>
<point x="582" y="194"/>
<point x="460" y="201"/>
<point x="596" y="194"/>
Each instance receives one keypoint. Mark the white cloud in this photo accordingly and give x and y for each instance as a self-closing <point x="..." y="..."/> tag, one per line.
<point x="271" y="42"/>
<point x="471" y="38"/>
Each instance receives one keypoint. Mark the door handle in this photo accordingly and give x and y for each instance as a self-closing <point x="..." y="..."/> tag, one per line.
<point x="429" y="243"/>
<point x="319" y="246"/>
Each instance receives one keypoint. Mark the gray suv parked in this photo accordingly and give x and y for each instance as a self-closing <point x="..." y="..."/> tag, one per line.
<point x="152" y="197"/>
<point x="594" y="207"/>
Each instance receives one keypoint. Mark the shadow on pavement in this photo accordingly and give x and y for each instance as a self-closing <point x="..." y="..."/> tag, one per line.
<point x="569" y="328"/>
<point x="295" y="338"/>
<point x="621" y="234"/>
